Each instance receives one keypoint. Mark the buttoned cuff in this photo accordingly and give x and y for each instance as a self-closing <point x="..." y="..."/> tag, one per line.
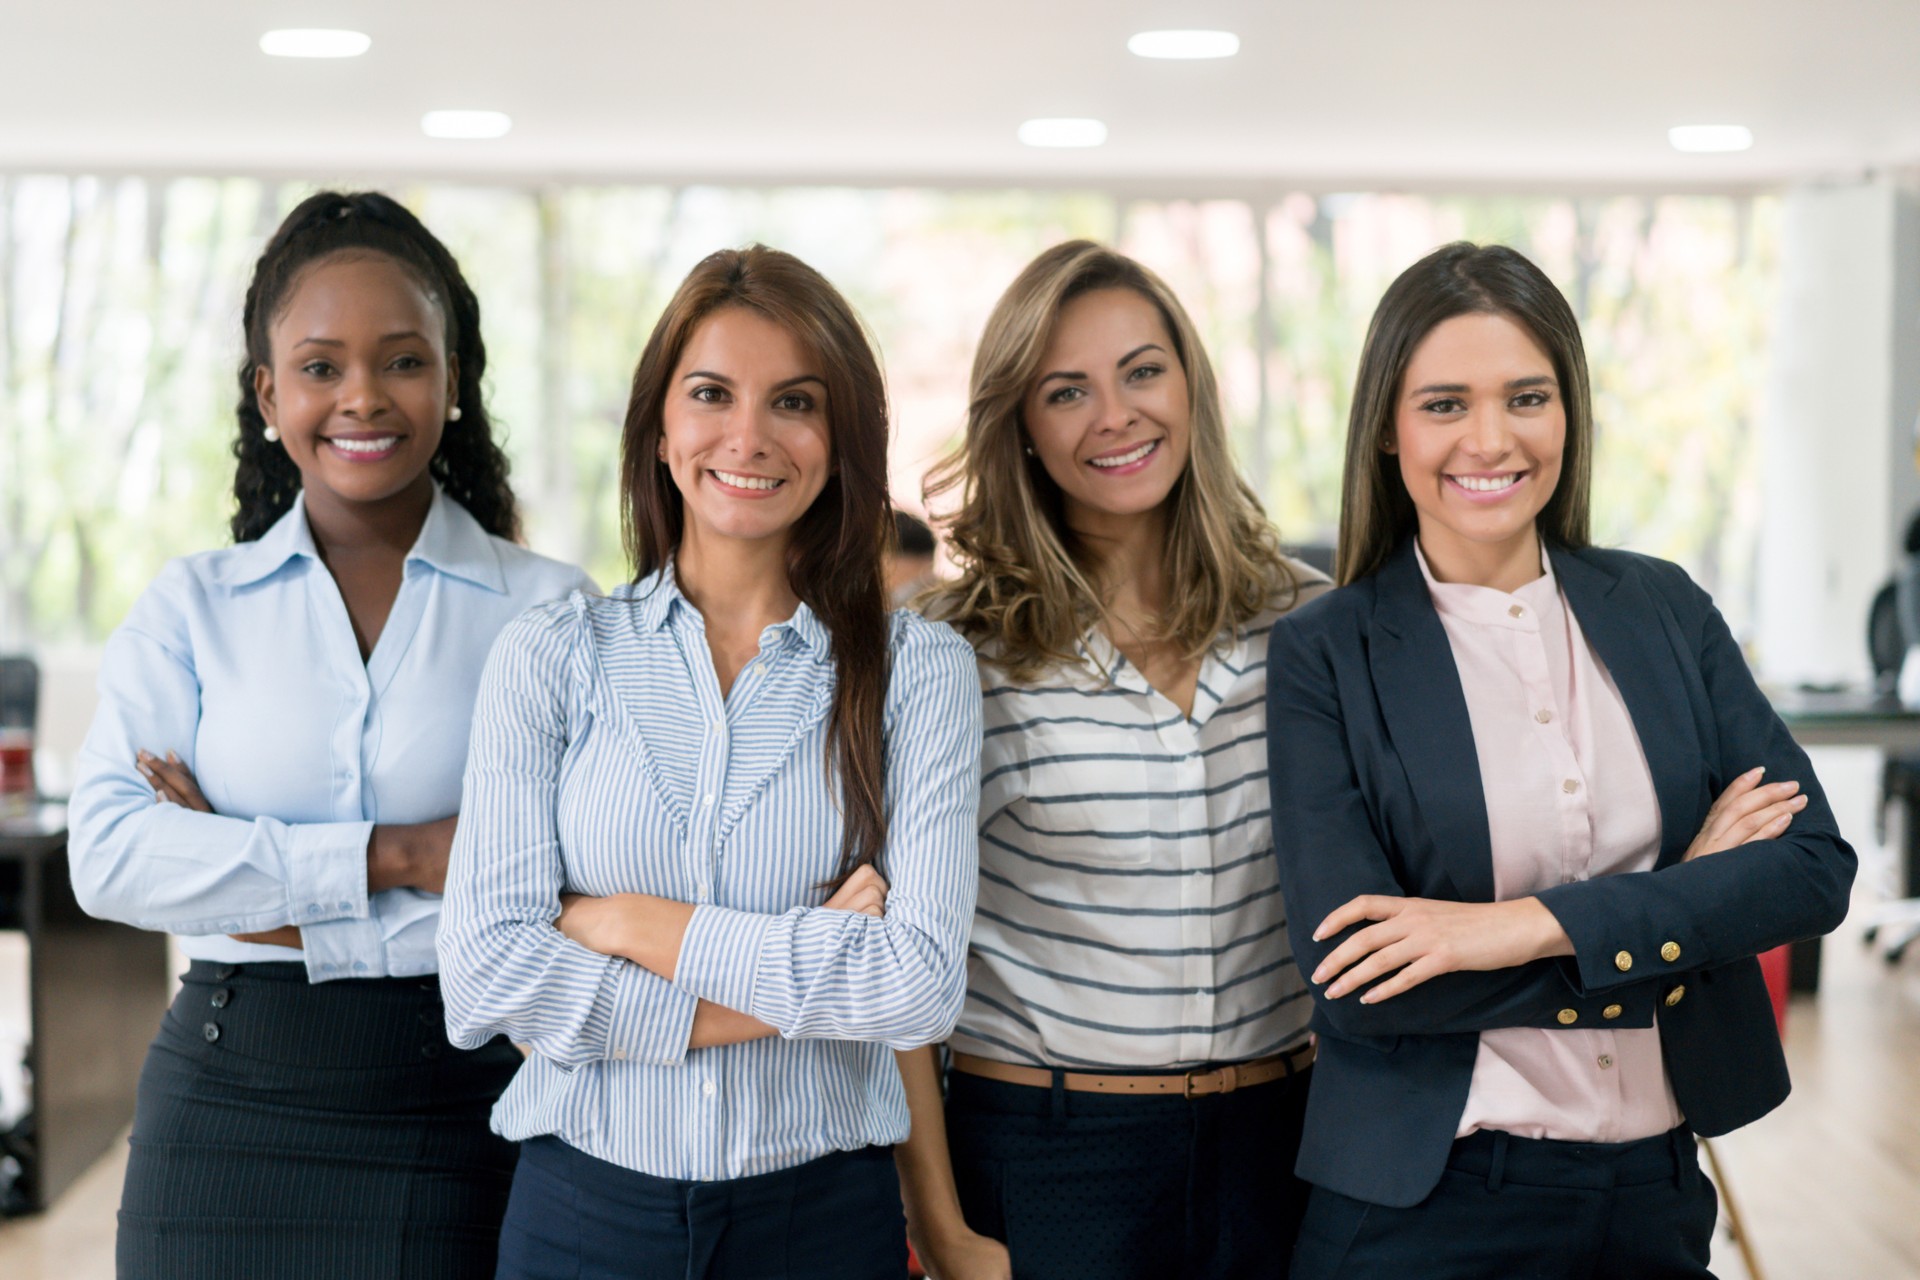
<point x="638" y="1016"/>
<point x="327" y="871"/>
<point x="1610" y="952"/>
<point x="344" y="949"/>
<point x="720" y="955"/>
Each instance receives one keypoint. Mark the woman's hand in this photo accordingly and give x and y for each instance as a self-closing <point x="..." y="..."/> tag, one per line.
<point x="1426" y="937"/>
<point x="865" y="892"/>
<point x="963" y="1254"/>
<point x="172" y="781"/>
<point x="410" y="855"/>
<point x="1747" y="811"/>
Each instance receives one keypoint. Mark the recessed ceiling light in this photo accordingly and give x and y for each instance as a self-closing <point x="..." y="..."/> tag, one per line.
<point x="1063" y="132"/>
<point x="1184" y="44"/>
<point x="1710" y="137"/>
<point x="309" y="42"/>
<point x="465" y="124"/>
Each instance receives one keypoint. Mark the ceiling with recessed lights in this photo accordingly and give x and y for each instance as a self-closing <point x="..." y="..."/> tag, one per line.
<point x="1469" y="93"/>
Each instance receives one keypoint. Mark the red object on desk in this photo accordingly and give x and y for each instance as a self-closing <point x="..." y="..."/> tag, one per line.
<point x="1774" y="967"/>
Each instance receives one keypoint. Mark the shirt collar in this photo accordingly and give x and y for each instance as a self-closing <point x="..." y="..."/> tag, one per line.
<point x="656" y="597"/>
<point x="451" y="541"/>
<point x="287" y="538"/>
<point x="1488" y="605"/>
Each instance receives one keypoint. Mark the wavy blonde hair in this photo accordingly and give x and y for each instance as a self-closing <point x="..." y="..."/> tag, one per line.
<point x="1026" y="593"/>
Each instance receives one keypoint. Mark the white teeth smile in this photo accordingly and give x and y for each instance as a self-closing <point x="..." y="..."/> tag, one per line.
<point x="380" y="445"/>
<point x="747" y="482"/>
<point x="1487" y="484"/>
<point x="1132" y="455"/>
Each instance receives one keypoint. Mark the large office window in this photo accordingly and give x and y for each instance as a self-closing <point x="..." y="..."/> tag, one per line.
<point x="119" y="343"/>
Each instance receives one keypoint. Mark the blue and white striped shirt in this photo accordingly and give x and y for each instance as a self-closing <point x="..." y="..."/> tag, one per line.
<point x="1130" y="912"/>
<point x="604" y="760"/>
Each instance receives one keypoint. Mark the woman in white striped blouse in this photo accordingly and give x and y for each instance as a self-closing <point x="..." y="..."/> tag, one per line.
<point x="662" y="785"/>
<point x="1130" y="1068"/>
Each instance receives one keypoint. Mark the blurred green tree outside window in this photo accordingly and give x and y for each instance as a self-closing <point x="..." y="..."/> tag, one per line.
<point x="119" y="344"/>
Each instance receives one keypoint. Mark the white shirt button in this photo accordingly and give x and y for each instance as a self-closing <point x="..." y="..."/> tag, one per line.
<point x="1544" y="716"/>
<point x="709" y="797"/>
<point x="1516" y="611"/>
<point x="1570" y="786"/>
<point x="1606" y="1060"/>
<point x="619" y="1055"/>
<point x="707" y="1088"/>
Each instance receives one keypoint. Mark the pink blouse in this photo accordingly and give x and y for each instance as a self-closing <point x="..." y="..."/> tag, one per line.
<point x="1569" y="796"/>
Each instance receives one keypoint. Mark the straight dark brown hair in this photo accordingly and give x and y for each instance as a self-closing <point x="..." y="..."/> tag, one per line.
<point x="1376" y="513"/>
<point x="835" y="562"/>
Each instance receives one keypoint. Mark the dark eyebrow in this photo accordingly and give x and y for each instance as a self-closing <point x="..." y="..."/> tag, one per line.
<point x="1068" y="375"/>
<point x="1136" y="353"/>
<point x="410" y="334"/>
<point x="1461" y="388"/>
<point x="319" y="342"/>
<point x="724" y="380"/>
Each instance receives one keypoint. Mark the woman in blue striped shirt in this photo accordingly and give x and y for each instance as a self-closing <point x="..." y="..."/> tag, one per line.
<point x="663" y="787"/>
<point x="1129" y="1072"/>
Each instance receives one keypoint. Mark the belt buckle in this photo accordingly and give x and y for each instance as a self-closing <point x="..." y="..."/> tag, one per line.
<point x="1227" y="1076"/>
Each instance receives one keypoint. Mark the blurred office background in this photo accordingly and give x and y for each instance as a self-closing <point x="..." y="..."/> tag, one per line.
<point x="1752" y="314"/>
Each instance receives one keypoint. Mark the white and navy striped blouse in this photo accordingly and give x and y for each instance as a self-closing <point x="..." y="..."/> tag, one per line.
<point x="604" y="760"/>
<point x="1130" y="912"/>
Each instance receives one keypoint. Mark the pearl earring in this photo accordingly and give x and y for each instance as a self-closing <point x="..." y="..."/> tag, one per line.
<point x="453" y="414"/>
<point x="1030" y="452"/>
<point x="272" y="434"/>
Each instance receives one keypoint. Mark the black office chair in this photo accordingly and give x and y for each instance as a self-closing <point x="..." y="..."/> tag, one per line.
<point x="19" y="692"/>
<point x="1894" y="925"/>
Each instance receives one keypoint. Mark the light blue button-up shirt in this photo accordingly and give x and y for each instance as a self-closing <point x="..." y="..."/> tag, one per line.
<point x="244" y="662"/>
<point x="605" y="761"/>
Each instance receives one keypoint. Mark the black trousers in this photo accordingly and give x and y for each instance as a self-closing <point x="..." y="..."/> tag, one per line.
<point x="289" y="1130"/>
<point x="576" y="1217"/>
<point x="1527" y="1209"/>
<point x="1084" y="1186"/>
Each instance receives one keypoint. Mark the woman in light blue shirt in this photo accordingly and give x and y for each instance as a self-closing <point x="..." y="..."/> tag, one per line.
<point x="664" y="787"/>
<point x="273" y="777"/>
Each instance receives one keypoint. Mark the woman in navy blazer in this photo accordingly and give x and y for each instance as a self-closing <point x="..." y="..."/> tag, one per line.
<point x="1382" y="823"/>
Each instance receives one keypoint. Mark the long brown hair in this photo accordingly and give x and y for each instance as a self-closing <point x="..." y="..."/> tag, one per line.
<point x="834" y="565"/>
<point x="1026" y="593"/>
<point x="1376" y="513"/>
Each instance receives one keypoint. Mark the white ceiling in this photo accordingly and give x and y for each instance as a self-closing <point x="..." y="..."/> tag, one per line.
<point x="1329" y="93"/>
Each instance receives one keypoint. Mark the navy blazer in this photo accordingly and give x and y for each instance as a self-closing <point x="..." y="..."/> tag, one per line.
<point x="1376" y="789"/>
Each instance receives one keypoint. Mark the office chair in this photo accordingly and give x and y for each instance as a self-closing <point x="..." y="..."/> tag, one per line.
<point x="1894" y="925"/>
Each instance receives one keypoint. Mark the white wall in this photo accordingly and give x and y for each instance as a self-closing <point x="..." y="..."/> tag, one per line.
<point x="1838" y="424"/>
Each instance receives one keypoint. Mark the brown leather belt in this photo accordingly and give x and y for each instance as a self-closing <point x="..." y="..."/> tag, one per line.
<point x="1188" y="1084"/>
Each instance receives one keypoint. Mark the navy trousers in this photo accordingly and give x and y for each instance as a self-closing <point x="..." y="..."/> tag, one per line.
<point x="1527" y="1209"/>
<point x="1086" y="1186"/>
<point x="573" y="1216"/>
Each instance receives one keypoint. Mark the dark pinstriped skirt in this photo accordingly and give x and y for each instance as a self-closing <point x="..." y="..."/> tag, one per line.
<point x="289" y="1130"/>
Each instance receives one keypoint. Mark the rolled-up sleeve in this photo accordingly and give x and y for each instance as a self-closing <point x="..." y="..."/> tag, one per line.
<point x="504" y="968"/>
<point x="159" y="866"/>
<point x="898" y="979"/>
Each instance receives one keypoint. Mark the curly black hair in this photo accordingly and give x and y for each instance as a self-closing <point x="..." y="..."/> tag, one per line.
<point x="469" y="464"/>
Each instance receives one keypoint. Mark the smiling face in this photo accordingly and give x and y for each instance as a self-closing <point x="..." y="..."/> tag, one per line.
<point x="359" y="382"/>
<point x="744" y="429"/>
<point x="1479" y="429"/>
<point x="1109" y="415"/>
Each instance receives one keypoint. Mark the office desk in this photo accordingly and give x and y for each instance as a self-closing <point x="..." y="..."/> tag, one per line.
<point x="1853" y="718"/>
<point x="97" y="991"/>
<point x="1850" y="718"/>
